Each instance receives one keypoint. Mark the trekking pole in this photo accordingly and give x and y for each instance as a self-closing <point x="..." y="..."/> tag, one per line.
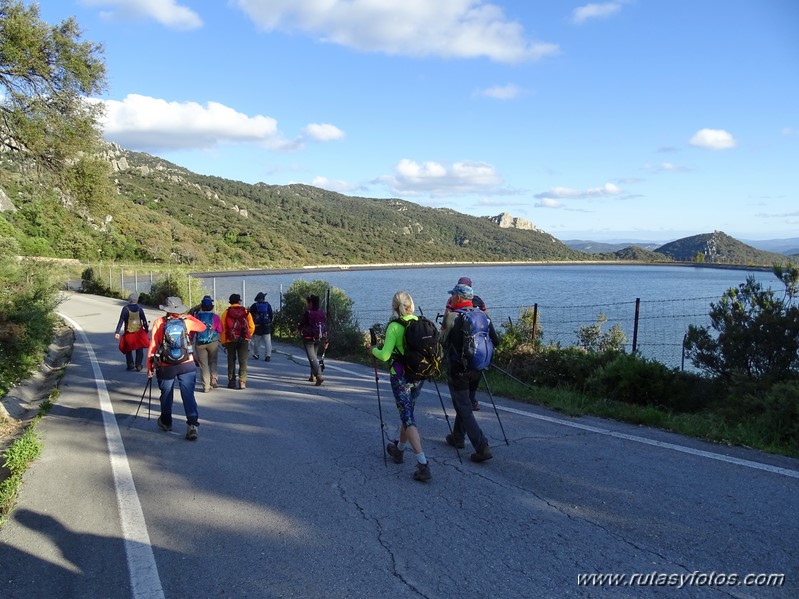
<point x="509" y="375"/>
<point x="147" y="385"/>
<point x="447" y="418"/>
<point x="379" y="406"/>
<point x="485" y="380"/>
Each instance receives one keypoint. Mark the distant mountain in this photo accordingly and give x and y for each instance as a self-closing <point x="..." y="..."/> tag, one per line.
<point x="718" y="248"/>
<point x="639" y="255"/>
<point x="598" y="247"/>
<point x="789" y="247"/>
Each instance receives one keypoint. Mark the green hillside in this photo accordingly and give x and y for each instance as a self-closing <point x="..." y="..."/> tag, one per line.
<point x="718" y="248"/>
<point x="161" y="212"/>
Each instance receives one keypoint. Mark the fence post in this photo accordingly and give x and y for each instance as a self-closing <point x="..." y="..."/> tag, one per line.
<point x="213" y="285"/>
<point x="682" y="359"/>
<point x="635" y="324"/>
<point x="122" y="279"/>
<point x="110" y="280"/>
<point x="243" y="291"/>
<point x="188" y="281"/>
<point x="535" y="324"/>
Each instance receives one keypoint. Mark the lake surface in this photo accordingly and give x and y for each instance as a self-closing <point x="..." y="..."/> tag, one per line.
<point x="568" y="296"/>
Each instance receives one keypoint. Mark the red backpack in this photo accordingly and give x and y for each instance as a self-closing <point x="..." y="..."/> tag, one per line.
<point x="236" y="323"/>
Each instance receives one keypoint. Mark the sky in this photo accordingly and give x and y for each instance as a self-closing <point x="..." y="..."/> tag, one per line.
<point x="627" y="120"/>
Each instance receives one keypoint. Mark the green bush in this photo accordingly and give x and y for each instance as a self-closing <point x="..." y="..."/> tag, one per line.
<point x="781" y="413"/>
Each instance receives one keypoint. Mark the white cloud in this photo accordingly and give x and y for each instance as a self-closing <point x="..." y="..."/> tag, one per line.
<point x="150" y="124"/>
<point x="548" y="203"/>
<point x="582" y="14"/>
<point x="413" y="178"/>
<point x="666" y="167"/>
<point x="166" y="12"/>
<point x="444" y="28"/>
<point x="713" y="139"/>
<point x="790" y="132"/>
<point x="338" y="185"/>
<point x="502" y="92"/>
<point x="322" y="132"/>
<point x="608" y="189"/>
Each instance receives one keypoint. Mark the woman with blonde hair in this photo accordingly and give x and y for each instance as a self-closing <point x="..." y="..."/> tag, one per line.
<point x="405" y="390"/>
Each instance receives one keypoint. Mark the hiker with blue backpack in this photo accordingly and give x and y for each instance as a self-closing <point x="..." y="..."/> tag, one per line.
<point x="468" y="339"/>
<point x="261" y="312"/>
<point x="171" y="358"/>
<point x="206" y="343"/>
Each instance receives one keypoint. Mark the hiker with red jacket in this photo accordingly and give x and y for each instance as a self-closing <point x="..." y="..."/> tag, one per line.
<point x="237" y="330"/>
<point x="132" y="332"/>
<point x="171" y="358"/>
<point x="477" y="302"/>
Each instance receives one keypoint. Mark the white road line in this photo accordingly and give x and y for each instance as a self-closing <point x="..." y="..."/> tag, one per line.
<point x="634" y="438"/>
<point x="144" y="580"/>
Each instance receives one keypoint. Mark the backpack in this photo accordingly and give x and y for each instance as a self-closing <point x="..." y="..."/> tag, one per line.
<point x="477" y="349"/>
<point x="422" y="359"/>
<point x="262" y="316"/>
<point x="209" y="335"/>
<point x="175" y="346"/>
<point x="236" y="323"/>
<point x="133" y="325"/>
<point x="316" y="327"/>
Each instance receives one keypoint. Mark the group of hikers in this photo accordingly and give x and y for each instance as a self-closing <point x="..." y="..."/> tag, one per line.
<point x="183" y="339"/>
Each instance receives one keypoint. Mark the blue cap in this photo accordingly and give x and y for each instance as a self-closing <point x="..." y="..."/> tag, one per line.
<point x="464" y="291"/>
<point x="207" y="301"/>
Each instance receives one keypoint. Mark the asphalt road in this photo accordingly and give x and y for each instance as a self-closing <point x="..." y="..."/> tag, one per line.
<point x="286" y="494"/>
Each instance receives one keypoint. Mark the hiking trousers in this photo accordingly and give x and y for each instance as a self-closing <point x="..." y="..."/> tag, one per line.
<point x="311" y="350"/>
<point x="463" y="384"/>
<point x="185" y="381"/>
<point x="206" y="355"/>
<point x="237" y="351"/>
<point x="261" y="341"/>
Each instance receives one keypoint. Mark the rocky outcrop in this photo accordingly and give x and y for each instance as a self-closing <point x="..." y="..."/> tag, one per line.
<point x="6" y="205"/>
<point x="507" y="221"/>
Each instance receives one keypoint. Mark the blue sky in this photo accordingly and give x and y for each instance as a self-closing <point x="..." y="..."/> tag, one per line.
<point x="622" y="120"/>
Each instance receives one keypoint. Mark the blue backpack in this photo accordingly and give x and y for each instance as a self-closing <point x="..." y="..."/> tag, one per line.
<point x="175" y="346"/>
<point x="209" y="335"/>
<point x="477" y="349"/>
<point x="262" y="314"/>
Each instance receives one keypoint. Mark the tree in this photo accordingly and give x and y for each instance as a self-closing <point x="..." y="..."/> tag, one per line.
<point x="47" y="75"/>
<point x="757" y="333"/>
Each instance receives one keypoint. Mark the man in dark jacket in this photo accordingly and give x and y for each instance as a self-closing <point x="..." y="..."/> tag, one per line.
<point x="461" y="378"/>
<point x="261" y="312"/>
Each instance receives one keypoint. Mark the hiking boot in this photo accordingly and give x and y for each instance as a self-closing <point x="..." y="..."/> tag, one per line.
<point x="162" y="426"/>
<point x="130" y="367"/>
<point x="395" y="452"/>
<point x="319" y="380"/>
<point x="422" y="472"/>
<point x="311" y="379"/>
<point x="242" y="384"/>
<point x="214" y="382"/>
<point x="475" y="406"/>
<point x="206" y="388"/>
<point x="267" y="358"/>
<point x="191" y="432"/>
<point x="231" y="384"/>
<point x="455" y="442"/>
<point x="256" y="357"/>
<point x="138" y="367"/>
<point x="482" y="455"/>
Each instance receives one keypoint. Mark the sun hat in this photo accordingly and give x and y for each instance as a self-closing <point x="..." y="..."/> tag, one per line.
<point x="463" y="291"/>
<point x="465" y="281"/>
<point x="260" y="297"/>
<point x="133" y="298"/>
<point x="174" y="305"/>
<point x="207" y="301"/>
<point x="234" y="298"/>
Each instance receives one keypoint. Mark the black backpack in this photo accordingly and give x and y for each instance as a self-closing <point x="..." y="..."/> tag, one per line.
<point x="422" y="359"/>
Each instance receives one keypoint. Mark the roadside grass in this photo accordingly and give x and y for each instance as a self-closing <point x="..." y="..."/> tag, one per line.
<point x="706" y="425"/>
<point x="19" y="456"/>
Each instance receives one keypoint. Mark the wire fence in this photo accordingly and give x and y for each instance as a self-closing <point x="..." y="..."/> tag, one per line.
<point x="654" y="328"/>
